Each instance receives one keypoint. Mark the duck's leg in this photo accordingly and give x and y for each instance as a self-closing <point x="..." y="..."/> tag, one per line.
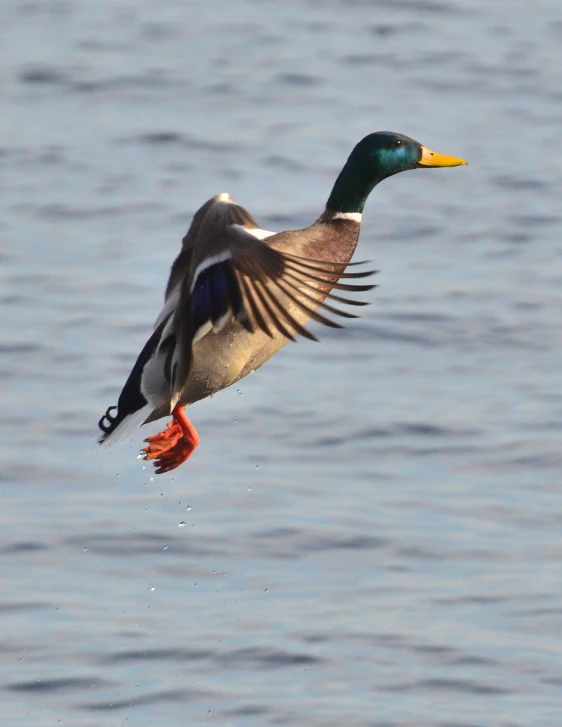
<point x="174" y="445"/>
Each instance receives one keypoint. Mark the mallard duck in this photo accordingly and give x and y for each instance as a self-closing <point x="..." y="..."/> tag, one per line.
<point x="237" y="293"/>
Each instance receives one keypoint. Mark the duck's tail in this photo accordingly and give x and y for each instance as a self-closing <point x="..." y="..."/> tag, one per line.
<point x="116" y="427"/>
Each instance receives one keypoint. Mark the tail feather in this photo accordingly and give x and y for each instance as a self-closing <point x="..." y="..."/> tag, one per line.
<point x="133" y="407"/>
<point x="121" y="428"/>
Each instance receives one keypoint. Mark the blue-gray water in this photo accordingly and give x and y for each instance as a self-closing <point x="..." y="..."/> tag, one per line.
<point x="370" y="533"/>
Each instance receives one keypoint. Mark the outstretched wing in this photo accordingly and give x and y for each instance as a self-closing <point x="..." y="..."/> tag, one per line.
<point x="235" y="275"/>
<point x="278" y="287"/>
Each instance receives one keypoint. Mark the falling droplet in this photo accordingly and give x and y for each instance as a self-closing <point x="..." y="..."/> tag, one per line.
<point x="181" y="525"/>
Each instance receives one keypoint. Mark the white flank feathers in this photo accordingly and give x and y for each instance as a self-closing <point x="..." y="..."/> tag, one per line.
<point x="153" y="385"/>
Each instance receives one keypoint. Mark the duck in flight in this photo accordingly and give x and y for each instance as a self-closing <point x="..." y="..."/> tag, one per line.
<point x="237" y="293"/>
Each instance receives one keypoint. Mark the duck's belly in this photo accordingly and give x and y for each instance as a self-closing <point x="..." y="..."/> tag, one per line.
<point x="221" y="359"/>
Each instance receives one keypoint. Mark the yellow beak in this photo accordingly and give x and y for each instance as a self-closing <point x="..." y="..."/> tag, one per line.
<point x="433" y="159"/>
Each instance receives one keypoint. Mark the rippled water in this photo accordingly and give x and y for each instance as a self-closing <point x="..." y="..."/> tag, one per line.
<point x="370" y="532"/>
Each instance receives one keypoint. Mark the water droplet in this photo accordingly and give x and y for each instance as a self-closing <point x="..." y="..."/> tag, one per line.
<point x="249" y="489"/>
<point x="181" y="525"/>
<point x="153" y="588"/>
<point x="85" y="549"/>
<point x="188" y="508"/>
<point x="266" y="590"/>
<point x="165" y="547"/>
<point x="257" y="466"/>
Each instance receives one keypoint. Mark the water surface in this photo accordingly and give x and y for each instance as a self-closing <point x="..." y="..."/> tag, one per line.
<point x="370" y="531"/>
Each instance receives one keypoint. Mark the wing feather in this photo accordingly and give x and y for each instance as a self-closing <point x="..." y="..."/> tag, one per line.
<point x="235" y="275"/>
<point x="281" y="281"/>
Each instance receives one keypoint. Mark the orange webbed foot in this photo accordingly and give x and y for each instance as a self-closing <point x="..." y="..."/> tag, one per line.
<point x="163" y="441"/>
<point x="173" y="457"/>
<point x="174" y="445"/>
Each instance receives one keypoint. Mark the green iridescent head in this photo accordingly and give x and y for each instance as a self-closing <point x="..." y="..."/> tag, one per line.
<point x="376" y="157"/>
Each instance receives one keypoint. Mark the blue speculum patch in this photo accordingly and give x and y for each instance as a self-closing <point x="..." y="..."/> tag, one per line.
<point x="212" y="295"/>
